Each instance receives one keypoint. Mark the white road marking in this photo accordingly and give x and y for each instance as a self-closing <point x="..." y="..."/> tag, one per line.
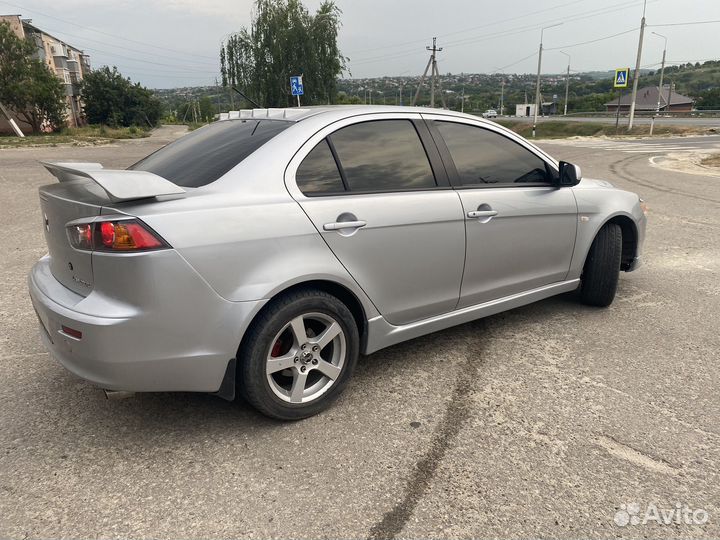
<point x="636" y="147"/>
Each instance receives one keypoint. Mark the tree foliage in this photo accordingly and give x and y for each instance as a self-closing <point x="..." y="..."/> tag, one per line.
<point x="27" y="87"/>
<point x="114" y="100"/>
<point x="284" y="39"/>
<point x="709" y="99"/>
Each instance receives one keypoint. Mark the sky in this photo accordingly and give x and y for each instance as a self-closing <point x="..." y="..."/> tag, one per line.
<point x="175" y="43"/>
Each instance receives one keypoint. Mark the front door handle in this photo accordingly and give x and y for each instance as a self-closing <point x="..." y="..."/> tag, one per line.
<point x="339" y="225"/>
<point x="482" y="213"/>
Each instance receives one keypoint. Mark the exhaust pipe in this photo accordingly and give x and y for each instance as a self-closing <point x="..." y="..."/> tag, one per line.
<point x="117" y="394"/>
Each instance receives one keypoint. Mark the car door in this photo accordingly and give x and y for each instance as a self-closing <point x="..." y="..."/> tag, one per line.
<point x="520" y="228"/>
<point x="375" y="188"/>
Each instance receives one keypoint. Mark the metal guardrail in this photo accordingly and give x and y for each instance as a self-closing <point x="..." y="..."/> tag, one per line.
<point x="711" y="113"/>
<point x="702" y="113"/>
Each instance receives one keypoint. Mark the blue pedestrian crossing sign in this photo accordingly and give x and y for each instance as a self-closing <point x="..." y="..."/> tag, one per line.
<point x="621" y="77"/>
<point x="296" y="86"/>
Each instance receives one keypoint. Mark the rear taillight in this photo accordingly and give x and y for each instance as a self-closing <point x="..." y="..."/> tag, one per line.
<point x="120" y="235"/>
<point x="81" y="236"/>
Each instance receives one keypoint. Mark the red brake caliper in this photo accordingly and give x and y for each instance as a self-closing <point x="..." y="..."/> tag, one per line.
<point x="277" y="347"/>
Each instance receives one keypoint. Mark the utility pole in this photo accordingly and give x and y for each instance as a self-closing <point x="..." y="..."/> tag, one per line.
<point x="11" y="121"/>
<point x="502" y="96"/>
<point x="660" y="85"/>
<point x="537" y="86"/>
<point x="402" y="91"/>
<point x="187" y="107"/>
<point x="432" y="63"/>
<point x="637" y="70"/>
<point x="217" y="92"/>
<point x="567" y="82"/>
<point x="462" y="103"/>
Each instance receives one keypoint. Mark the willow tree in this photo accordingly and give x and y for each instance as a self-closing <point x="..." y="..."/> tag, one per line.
<point x="283" y="40"/>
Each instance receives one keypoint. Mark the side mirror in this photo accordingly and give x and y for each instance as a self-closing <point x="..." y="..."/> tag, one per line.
<point x="570" y="174"/>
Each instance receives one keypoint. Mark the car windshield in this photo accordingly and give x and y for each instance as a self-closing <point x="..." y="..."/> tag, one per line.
<point x="207" y="153"/>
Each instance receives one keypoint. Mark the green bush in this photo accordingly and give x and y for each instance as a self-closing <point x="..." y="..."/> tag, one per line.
<point x="114" y="100"/>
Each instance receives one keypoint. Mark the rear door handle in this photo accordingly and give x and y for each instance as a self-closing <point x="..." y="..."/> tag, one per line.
<point x="339" y="225"/>
<point x="482" y="213"/>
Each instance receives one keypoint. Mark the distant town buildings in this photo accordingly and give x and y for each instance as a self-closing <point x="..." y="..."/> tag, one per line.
<point x="68" y="63"/>
<point x="647" y="100"/>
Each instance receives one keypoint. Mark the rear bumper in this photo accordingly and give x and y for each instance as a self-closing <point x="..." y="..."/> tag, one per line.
<point x="181" y="339"/>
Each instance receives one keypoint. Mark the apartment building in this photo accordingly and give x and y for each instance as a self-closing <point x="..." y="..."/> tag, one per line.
<point x="68" y="63"/>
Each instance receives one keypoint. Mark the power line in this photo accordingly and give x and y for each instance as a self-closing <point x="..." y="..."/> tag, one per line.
<point x="154" y="71"/>
<point x="591" y="41"/>
<point x="516" y="30"/>
<point x="153" y="54"/>
<point x="386" y="57"/>
<point x="102" y="32"/>
<point x="593" y="13"/>
<point x="470" y="29"/>
<point x="509" y="32"/>
<point x="500" y="69"/>
<point x="131" y="59"/>
<point x="685" y="23"/>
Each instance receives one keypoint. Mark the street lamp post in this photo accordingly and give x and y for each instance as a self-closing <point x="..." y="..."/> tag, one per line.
<point x="660" y="85"/>
<point x="567" y="82"/>
<point x="636" y="77"/>
<point x="537" y="87"/>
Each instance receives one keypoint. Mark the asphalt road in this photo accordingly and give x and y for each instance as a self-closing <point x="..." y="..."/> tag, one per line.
<point x="540" y="422"/>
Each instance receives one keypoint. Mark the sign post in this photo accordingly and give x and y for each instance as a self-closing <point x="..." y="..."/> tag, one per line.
<point x="296" y="87"/>
<point x="620" y="82"/>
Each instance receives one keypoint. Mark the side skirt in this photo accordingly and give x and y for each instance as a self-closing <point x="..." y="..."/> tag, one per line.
<point x="382" y="334"/>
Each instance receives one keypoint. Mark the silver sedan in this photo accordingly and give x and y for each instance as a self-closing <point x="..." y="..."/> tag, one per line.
<point x="264" y="253"/>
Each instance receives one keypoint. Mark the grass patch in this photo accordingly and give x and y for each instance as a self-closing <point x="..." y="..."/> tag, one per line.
<point x="711" y="161"/>
<point x="559" y="129"/>
<point x="87" y="135"/>
<point x="192" y="126"/>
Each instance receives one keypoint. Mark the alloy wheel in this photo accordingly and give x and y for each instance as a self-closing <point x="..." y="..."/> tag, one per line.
<point x="306" y="358"/>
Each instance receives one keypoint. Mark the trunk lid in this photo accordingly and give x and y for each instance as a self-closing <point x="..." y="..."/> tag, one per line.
<point x="60" y="204"/>
<point x="83" y="190"/>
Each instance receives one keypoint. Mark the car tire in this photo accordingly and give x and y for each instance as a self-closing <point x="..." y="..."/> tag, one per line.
<point x="288" y="376"/>
<point x="602" y="267"/>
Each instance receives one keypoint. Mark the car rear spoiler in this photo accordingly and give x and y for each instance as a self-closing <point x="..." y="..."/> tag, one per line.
<point x="120" y="185"/>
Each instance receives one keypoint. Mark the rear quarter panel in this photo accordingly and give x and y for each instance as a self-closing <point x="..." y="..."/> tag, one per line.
<point x="244" y="234"/>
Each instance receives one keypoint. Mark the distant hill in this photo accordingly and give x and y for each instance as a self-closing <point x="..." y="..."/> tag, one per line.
<point x="588" y="91"/>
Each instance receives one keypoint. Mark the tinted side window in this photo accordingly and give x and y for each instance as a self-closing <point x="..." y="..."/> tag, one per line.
<point x="318" y="173"/>
<point x="483" y="157"/>
<point x="383" y="155"/>
<point x="207" y="153"/>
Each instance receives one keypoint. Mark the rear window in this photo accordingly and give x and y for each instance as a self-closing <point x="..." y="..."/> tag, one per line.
<point x="207" y="153"/>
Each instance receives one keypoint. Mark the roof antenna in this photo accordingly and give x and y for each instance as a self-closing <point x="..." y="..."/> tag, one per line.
<point x="250" y="100"/>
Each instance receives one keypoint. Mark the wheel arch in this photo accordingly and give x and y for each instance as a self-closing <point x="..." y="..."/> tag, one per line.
<point x="629" y="238"/>
<point x="629" y="246"/>
<point x="338" y="290"/>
